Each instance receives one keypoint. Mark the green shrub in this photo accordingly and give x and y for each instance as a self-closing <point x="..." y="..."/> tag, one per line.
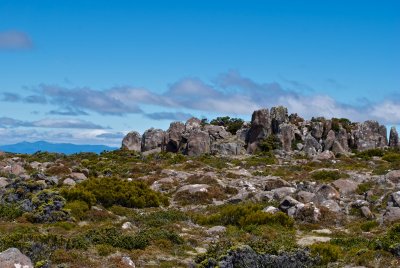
<point x="368" y="154"/>
<point x="270" y="143"/>
<point x="78" y="209"/>
<point x="364" y="187"/>
<point x="9" y="212"/>
<point x="244" y="215"/>
<point x="113" y="191"/>
<point x="369" y="225"/>
<point x="327" y="252"/>
<point x="391" y="157"/>
<point x="327" y="175"/>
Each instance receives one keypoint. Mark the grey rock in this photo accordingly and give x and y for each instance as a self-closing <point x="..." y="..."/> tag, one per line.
<point x="395" y="198"/>
<point x="317" y="129"/>
<point x="370" y="135"/>
<point x="260" y="129"/>
<point x="280" y="193"/>
<point x="241" y="134"/>
<point x="331" y="205"/>
<point x="330" y="139"/>
<point x="326" y="192"/>
<point x="393" y="138"/>
<point x="271" y="209"/>
<point x="393" y="176"/>
<point x="192" y="124"/>
<point x="279" y="115"/>
<point x="286" y="136"/>
<point x="194" y="188"/>
<point x="325" y="155"/>
<point x="132" y="142"/>
<point x="69" y="182"/>
<point x="217" y="132"/>
<point x="128" y="261"/>
<point x="273" y="183"/>
<point x="78" y="176"/>
<point x="198" y="143"/>
<point x="227" y="148"/>
<point x="391" y="214"/>
<point x="153" y="140"/>
<point x="13" y="258"/>
<point x="174" y="137"/>
<point x="287" y="203"/>
<point x="307" y="213"/>
<point x="216" y="230"/>
<point x="3" y="182"/>
<point x="366" y="212"/>
<point x="345" y="186"/>
<point x="311" y="145"/>
<point x="305" y="197"/>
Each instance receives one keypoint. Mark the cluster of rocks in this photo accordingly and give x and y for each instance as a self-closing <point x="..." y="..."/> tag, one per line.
<point x="293" y="133"/>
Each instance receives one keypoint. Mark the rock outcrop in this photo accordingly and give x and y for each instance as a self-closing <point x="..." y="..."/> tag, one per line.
<point x="268" y="129"/>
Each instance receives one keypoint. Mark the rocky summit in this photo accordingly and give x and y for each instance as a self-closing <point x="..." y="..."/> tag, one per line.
<point x="279" y="191"/>
<point x="290" y="133"/>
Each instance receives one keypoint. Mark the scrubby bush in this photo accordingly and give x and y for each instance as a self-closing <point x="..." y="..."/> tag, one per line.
<point x="245" y="215"/>
<point x="232" y="125"/>
<point x="368" y="154"/>
<point x="270" y="143"/>
<point x="327" y="175"/>
<point x="113" y="191"/>
<point x="78" y="209"/>
<point x="327" y="252"/>
<point x="391" y="157"/>
<point x="9" y="212"/>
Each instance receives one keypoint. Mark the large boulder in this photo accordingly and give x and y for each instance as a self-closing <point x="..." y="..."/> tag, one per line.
<point x="227" y="147"/>
<point x="198" y="143"/>
<point x="153" y="140"/>
<point x="317" y="129"/>
<point x="279" y="115"/>
<point x="260" y="129"/>
<point x="192" y="123"/>
<point x="311" y="145"/>
<point x="369" y="135"/>
<point x="174" y="137"/>
<point x="132" y="142"/>
<point x="217" y="132"/>
<point x="393" y="138"/>
<point x="330" y="139"/>
<point x="286" y="136"/>
<point x="393" y="176"/>
<point x="13" y="258"/>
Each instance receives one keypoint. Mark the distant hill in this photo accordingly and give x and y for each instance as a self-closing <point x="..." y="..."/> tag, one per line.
<point x="66" y="148"/>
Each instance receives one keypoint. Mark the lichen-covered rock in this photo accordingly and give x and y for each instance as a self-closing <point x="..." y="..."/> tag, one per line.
<point x="345" y="186"/>
<point x="393" y="138"/>
<point x="330" y="139"/>
<point x="393" y="176"/>
<point x="13" y="258"/>
<point x="275" y="182"/>
<point x="391" y="214"/>
<point x="317" y="129"/>
<point x="227" y="148"/>
<point x="192" y="124"/>
<point x="132" y="141"/>
<point x="370" y="135"/>
<point x="153" y="140"/>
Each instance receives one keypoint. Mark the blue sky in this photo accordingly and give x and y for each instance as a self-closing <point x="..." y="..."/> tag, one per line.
<point x="89" y="71"/>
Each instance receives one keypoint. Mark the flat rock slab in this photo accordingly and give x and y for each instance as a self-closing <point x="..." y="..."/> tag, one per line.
<point x="13" y="258"/>
<point x="309" y="240"/>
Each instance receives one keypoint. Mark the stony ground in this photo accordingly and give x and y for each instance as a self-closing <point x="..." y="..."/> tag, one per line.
<point x="276" y="209"/>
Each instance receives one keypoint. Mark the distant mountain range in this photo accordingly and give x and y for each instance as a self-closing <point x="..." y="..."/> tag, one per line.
<point x="66" y="148"/>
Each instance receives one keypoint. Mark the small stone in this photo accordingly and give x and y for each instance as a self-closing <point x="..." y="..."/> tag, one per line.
<point x="366" y="212"/>
<point x="216" y="230"/>
<point x="271" y="209"/>
<point x="128" y="261"/>
<point x="69" y="182"/>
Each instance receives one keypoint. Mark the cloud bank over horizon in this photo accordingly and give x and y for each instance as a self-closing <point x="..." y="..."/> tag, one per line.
<point x="229" y="93"/>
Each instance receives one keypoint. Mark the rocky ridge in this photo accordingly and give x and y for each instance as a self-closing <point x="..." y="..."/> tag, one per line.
<point x="291" y="132"/>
